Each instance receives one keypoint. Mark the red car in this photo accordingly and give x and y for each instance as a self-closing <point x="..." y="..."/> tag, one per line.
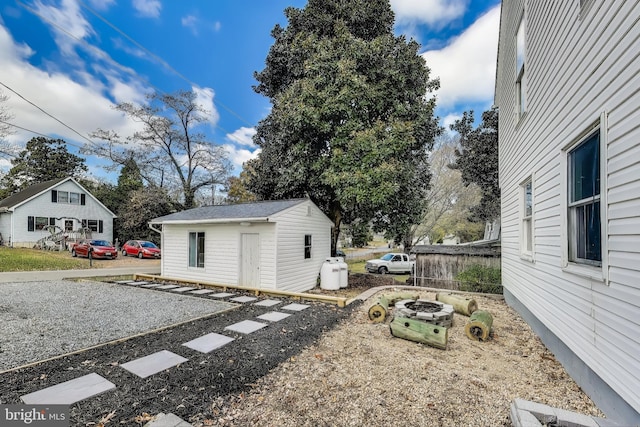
<point x="141" y="249"/>
<point x="97" y="248"/>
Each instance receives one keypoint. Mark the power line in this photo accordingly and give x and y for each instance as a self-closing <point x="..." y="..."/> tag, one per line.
<point x="50" y="115"/>
<point x="156" y="57"/>
<point x="34" y="132"/>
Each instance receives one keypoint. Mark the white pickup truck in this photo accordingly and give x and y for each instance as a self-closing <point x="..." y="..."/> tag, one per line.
<point x="391" y="263"/>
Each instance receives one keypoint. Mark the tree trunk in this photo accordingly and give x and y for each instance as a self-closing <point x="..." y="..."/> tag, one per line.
<point x="460" y="303"/>
<point x="379" y="311"/>
<point x="419" y="331"/>
<point x="478" y="327"/>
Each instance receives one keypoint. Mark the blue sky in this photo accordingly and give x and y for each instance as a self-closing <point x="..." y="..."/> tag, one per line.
<point x="76" y="58"/>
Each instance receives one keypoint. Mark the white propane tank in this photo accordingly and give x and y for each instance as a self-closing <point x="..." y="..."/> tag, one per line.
<point x="330" y="275"/>
<point x="344" y="272"/>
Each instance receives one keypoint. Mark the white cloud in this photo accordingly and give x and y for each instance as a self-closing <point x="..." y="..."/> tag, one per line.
<point x="68" y="17"/>
<point x="436" y="13"/>
<point x="204" y="97"/>
<point x="240" y="155"/>
<point x="148" y="8"/>
<point x="243" y="136"/>
<point x="450" y="119"/>
<point x="467" y="66"/>
<point x="191" y="22"/>
<point x="101" y="4"/>
<point x="81" y="106"/>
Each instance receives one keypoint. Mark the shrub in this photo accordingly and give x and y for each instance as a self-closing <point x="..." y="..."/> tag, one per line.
<point x="479" y="278"/>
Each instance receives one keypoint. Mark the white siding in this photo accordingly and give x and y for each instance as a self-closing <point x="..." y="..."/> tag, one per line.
<point x="577" y="67"/>
<point x="42" y="206"/>
<point x="222" y="250"/>
<point x="294" y="272"/>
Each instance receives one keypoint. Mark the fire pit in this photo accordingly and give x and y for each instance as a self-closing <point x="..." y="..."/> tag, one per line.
<point x="433" y="312"/>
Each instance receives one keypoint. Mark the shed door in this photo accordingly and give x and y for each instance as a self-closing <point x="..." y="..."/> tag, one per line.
<point x="250" y="260"/>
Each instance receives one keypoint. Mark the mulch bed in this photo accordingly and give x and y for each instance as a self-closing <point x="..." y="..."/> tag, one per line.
<point x="194" y="390"/>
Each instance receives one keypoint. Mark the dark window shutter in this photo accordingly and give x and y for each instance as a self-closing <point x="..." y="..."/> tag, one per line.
<point x="31" y="223"/>
<point x="100" y="226"/>
<point x="83" y="200"/>
<point x="54" y="196"/>
<point x="52" y="221"/>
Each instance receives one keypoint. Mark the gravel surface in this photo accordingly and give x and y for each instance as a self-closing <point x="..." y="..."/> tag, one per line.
<point x="324" y="366"/>
<point x="44" y="319"/>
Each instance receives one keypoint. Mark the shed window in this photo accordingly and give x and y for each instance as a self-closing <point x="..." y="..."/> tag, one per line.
<point x="307" y="246"/>
<point x="196" y="249"/>
<point x="584" y="224"/>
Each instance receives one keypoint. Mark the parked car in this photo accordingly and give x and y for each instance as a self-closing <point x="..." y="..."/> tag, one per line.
<point x="141" y="249"/>
<point x="391" y="263"/>
<point x="97" y="249"/>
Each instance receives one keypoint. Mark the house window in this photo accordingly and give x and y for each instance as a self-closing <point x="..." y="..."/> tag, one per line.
<point x="521" y="98"/>
<point x="92" y="224"/>
<point x="74" y="198"/>
<point x="41" y="222"/>
<point x="307" y="246"/>
<point x="68" y="197"/>
<point x="196" y="249"/>
<point x="527" y="217"/>
<point x="63" y="197"/>
<point x="583" y="204"/>
<point x="68" y="225"/>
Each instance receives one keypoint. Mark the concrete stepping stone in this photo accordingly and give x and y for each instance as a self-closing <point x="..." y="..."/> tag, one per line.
<point x="123" y="282"/>
<point x="142" y="282"/>
<point x="208" y="343"/>
<point x="246" y="326"/>
<point x="295" y="307"/>
<point x="164" y="287"/>
<point x="221" y="295"/>
<point x="268" y="302"/>
<point x="201" y="291"/>
<point x="274" y="316"/>
<point x="151" y="285"/>
<point x="183" y="289"/>
<point x="69" y="392"/>
<point x="167" y="420"/>
<point x="243" y="299"/>
<point x="153" y="363"/>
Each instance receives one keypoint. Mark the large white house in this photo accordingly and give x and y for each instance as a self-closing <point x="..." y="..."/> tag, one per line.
<point x="59" y="205"/>
<point x="272" y="244"/>
<point x="568" y="93"/>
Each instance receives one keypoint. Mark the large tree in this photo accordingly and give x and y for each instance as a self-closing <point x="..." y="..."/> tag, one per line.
<point x="170" y="151"/>
<point x="477" y="160"/>
<point x="352" y="121"/>
<point x="41" y="160"/>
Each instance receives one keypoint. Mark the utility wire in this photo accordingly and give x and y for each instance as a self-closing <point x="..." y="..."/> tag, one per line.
<point x="50" y="115"/>
<point x="34" y="132"/>
<point x="156" y="57"/>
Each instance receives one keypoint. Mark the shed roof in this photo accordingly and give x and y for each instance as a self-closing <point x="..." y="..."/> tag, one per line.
<point x="242" y="211"/>
<point x="456" y="250"/>
<point x="28" y="193"/>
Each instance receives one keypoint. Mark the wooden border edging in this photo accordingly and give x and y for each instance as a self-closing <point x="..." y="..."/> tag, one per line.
<point x="339" y="301"/>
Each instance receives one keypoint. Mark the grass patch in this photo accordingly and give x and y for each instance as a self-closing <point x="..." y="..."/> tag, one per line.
<point x="24" y="259"/>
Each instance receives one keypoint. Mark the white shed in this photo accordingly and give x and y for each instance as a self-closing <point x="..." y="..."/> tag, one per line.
<point x="59" y="206"/>
<point x="277" y="245"/>
<point x="567" y="89"/>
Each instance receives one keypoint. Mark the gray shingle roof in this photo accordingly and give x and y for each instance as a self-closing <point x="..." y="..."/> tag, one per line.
<point x="28" y="192"/>
<point x="240" y="211"/>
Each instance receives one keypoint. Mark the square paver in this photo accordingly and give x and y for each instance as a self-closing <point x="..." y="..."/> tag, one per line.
<point x="246" y="326"/>
<point x="151" y="285"/>
<point x="153" y="363"/>
<point x="69" y="392"/>
<point x="183" y="289"/>
<point x="221" y="295"/>
<point x="295" y="307"/>
<point x="201" y="291"/>
<point x="209" y="342"/>
<point x="164" y="287"/>
<point x="268" y="302"/>
<point x="123" y="282"/>
<point x="243" y="299"/>
<point x="142" y="282"/>
<point x="274" y="316"/>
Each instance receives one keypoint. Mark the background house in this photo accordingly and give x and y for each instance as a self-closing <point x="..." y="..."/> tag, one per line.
<point x="568" y="89"/>
<point x="60" y="205"/>
<point x="273" y="244"/>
